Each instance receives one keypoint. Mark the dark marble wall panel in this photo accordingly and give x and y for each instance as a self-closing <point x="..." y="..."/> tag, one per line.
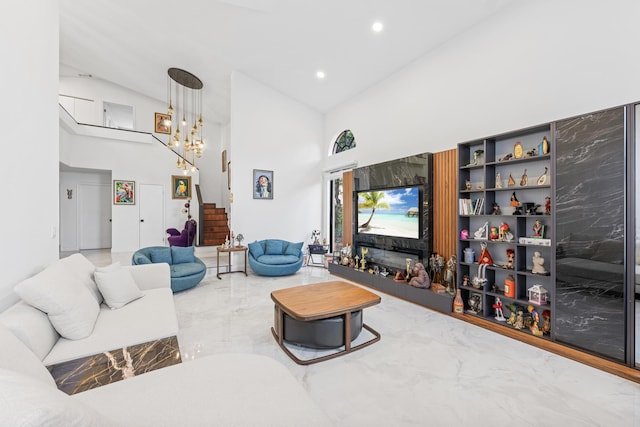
<point x="396" y="173"/>
<point x="590" y="205"/>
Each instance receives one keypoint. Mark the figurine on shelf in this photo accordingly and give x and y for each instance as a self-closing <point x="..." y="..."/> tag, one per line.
<point x="407" y="262"/>
<point x="465" y="280"/>
<point x="512" y="317"/>
<point x="547" y="205"/>
<point x="506" y="157"/>
<point x="493" y="233"/>
<point x="531" y="153"/>
<point x="537" y="228"/>
<point x="498" y="180"/>
<point x="400" y="277"/>
<point x="485" y="256"/>
<point x="510" y="256"/>
<point x="538" y="261"/>
<point x="515" y="203"/>
<point x="475" y="303"/>
<point x="535" y="319"/>
<point x="511" y="182"/>
<point x="524" y="179"/>
<point x="420" y="278"/>
<point x="546" y="325"/>
<point x="477" y="157"/>
<point x="450" y="275"/>
<point x="482" y="232"/>
<point x="542" y="179"/>
<point x="357" y="262"/>
<point x="464" y="234"/>
<point x="495" y="209"/>
<point x="505" y="233"/>
<point x="519" y="323"/>
<point x="467" y="184"/>
<point x="436" y="264"/>
<point x="363" y="264"/>
<point x="543" y="147"/>
<point x="498" y="307"/>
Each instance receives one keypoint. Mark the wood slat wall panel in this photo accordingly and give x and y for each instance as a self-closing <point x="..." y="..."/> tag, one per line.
<point x="347" y="208"/>
<point x="445" y="190"/>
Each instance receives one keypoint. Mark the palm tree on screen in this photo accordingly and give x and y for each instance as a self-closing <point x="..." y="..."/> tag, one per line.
<point x="372" y="200"/>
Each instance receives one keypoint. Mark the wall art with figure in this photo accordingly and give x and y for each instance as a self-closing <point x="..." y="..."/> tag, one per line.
<point x="124" y="192"/>
<point x="262" y="184"/>
<point x="180" y="187"/>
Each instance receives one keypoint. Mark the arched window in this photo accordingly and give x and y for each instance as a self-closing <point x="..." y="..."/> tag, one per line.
<point x="345" y="141"/>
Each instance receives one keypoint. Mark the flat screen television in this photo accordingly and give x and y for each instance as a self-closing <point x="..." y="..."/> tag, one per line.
<point x="394" y="212"/>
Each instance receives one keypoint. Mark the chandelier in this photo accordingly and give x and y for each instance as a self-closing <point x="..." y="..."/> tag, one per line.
<point x="186" y="107"/>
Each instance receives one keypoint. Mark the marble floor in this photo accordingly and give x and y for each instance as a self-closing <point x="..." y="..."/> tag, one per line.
<point x="428" y="369"/>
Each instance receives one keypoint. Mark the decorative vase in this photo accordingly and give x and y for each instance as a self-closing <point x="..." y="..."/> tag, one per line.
<point x="458" y="304"/>
<point x="510" y="286"/>
<point x="468" y="255"/>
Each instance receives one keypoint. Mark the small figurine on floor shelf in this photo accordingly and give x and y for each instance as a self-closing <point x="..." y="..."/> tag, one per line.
<point x="357" y="262"/>
<point x="400" y="277"/>
<point x="512" y="317"/>
<point x="498" y="307"/>
<point x="408" y="266"/>
<point x="458" y="304"/>
<point x="450" y="274"/>
<point x="519" y="323"/>
<point x="535" y="319"/>
<point x="420" y="278"/>
<point x="546" y="325"/>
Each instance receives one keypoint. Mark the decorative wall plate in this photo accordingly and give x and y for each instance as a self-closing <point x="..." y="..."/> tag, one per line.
<point x="517" y="150"/>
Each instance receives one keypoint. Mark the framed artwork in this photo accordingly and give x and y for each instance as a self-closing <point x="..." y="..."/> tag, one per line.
<point x="162" y="123"/>
<point x="124" y="192"/>
<point x="180" y="187"/>
<point x="224" y="160"/>
<point x="229" y="175"/>
<point x="262" y="184"/>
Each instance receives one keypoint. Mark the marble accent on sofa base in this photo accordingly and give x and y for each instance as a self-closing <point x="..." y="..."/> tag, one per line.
<point x="94" y="371"/>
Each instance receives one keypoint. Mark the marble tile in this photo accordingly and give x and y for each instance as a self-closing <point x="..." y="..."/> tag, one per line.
<point x="427" y="369"/>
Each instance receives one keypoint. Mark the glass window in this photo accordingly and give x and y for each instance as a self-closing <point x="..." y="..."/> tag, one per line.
<point x="345" y="141"/>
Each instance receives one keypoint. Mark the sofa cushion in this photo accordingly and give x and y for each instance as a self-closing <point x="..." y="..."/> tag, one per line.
<point x="181" y="255"/>
<point x="140" y="258"/>
<point x="27" y="402"/>
<point x="82" y="268"/>
<point x="256" y="249"/>
<point x="278" y="259"/>
<point x="187" y="269"/>
<point x="294" y="249"/>
<point x="71" y="307"/>
<point x="117" y="285"/>
<point x="274" y="247"/>
<point x="145" y="319"/>
<point x="32" y="327"/>
<point x="159" y="255"/>
<point x="17" y="357"/>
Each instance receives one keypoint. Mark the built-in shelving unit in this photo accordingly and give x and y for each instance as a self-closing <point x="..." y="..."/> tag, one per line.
<point x="504" y="190"/>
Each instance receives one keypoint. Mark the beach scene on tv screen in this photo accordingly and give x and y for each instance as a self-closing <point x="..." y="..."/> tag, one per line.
<point x="390" y="212"/>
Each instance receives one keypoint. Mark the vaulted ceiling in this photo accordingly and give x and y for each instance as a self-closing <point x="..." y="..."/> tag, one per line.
<point x="281" y="43"/>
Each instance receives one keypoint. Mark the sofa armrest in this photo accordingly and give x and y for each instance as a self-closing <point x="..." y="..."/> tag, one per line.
<point x="151" y="276"/>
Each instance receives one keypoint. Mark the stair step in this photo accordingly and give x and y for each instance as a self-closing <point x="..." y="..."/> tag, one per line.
<point x="215" y="217"/>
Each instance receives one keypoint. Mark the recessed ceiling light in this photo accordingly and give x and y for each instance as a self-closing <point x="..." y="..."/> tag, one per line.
<point x="320" y="74"/>
<point x="377" y="27"/>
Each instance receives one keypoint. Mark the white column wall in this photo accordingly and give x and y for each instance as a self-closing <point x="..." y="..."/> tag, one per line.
<point x="29" y="48"/>
<point x="273" y="132"/>
<point x="533" y="63"/>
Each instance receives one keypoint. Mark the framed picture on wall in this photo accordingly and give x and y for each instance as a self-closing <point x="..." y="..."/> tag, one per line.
<point x="224" y="160"/>
<point x="262" y="184"/>
<point x="124" y="192"/>
<point x="180" y="187"/>
<point x="163" y="123"/>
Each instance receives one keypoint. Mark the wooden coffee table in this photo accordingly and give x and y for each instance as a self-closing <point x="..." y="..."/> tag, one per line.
<point x="309" y="303"/>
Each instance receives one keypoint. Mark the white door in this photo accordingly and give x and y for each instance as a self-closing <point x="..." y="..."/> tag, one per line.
<point x="94" y="216"/>
<point x="151" y="199"/>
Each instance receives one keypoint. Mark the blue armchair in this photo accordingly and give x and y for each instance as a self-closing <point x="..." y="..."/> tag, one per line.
<point x="187" y="270"/>
<point x="186" y="237"/>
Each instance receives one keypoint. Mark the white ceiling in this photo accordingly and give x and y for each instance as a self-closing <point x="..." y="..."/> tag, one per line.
<point x="281" y="43"/>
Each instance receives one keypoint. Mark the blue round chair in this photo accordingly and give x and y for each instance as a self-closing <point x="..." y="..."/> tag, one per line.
<point x="187" y="270"/>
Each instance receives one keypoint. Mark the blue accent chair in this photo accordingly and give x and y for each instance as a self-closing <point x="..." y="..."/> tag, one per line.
<point x="187" y="270"/>
<point x="274" y="257"/>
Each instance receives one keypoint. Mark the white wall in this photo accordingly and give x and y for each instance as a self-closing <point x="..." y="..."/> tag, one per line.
<point x="29" y="48"/>
<point x="271" y="131"/>
<point x="533" y="63"/>
<point x="144" y="111"/>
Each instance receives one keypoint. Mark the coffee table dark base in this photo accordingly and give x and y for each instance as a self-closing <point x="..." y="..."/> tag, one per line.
<point x="319" y="334"/>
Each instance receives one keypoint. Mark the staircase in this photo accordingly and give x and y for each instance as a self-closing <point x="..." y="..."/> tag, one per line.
<point x="214" y="226"/>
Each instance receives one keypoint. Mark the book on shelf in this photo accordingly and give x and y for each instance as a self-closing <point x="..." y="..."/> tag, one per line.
<point x="471" y="206"/>
<point x="534" y="241"/>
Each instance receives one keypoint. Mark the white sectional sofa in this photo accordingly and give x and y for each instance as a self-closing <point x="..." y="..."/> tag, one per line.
<point x="224" y="390"/>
